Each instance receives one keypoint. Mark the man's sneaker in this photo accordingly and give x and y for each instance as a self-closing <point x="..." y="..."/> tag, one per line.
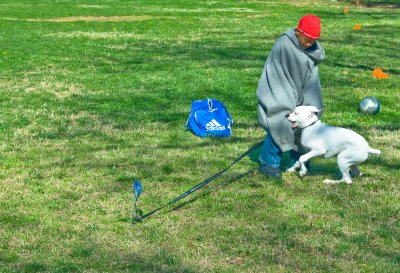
<point x="270" y="171"/>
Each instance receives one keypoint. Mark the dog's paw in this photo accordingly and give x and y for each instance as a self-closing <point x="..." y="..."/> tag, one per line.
<point x="303" y="172"/>
<point x="329" y="181"/>
<point x="295" y="166"/>
<point x="303" y="169"/>
<point x="291" y="169"/>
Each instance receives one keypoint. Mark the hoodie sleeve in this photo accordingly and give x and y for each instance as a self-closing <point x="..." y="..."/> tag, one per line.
<point x="282" y="95"/>
<point x="275" y="91"/>
<point x="277" y="96"/>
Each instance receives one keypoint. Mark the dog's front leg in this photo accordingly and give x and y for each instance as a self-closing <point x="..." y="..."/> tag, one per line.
<point x="295" y="166"/>
<point x="304" y="158"/>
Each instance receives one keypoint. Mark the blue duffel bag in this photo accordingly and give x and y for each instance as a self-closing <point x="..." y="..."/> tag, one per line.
<point x="209" y="117"/>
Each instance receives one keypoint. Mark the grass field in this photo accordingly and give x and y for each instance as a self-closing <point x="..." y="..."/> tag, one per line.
<point x="95" y="94"/>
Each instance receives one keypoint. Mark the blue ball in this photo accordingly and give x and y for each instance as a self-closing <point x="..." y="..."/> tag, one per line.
<point x="369" y="105"/>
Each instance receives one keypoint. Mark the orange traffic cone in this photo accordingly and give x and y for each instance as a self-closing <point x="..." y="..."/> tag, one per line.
<point x="379" y="74"/>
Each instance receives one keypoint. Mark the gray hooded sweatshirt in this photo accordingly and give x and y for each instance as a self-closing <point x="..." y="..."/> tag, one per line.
<point x="289" y="78"/>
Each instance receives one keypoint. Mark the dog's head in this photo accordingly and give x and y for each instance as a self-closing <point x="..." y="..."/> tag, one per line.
<point x="303" y="116"/>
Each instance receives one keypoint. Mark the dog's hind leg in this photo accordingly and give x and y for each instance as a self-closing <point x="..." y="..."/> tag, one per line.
<point x="346" y="176"/>
<point x="344" y="167"/>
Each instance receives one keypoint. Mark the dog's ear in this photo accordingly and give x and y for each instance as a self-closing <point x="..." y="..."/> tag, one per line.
<point x="313" y="109"/>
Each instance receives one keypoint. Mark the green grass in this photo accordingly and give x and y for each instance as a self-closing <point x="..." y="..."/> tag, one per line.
<point x="89" y="106"/>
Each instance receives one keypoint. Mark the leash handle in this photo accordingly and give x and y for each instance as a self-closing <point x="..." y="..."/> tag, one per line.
<point x="137" y="190"/>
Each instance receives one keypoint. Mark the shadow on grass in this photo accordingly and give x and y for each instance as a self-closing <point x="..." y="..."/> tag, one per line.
<point x="161" y="103"/>
<point x="391" y="4"/>
<point x="211" y="188"/>
<point x="134" y="262"/>
<point x="384" y="163"/>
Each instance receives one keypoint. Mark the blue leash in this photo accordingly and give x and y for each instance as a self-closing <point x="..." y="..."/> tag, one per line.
<point x="137" y="188"/>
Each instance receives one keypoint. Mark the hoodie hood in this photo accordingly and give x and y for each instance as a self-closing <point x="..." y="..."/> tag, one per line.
<point x="315" y="52"/>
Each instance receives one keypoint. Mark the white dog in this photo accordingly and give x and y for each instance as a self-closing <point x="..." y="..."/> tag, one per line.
<point x="328" y="141"/>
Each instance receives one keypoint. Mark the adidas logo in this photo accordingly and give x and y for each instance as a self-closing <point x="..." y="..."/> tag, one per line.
<point x="214" y="126"/>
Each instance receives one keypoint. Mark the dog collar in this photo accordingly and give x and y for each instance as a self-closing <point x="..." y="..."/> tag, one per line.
<point x="311" y="124"/>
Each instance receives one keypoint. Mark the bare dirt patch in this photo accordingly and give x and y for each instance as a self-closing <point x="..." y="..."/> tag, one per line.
<point x="288" y="2"/>
<point x="91" y="19"/>
<point x="93" y="6"/>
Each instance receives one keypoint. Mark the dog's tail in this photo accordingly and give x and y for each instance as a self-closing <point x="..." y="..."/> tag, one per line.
<point x="374" y="151"/>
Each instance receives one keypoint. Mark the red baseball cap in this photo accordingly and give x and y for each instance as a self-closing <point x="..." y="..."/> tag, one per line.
<point x="310" y="26"/>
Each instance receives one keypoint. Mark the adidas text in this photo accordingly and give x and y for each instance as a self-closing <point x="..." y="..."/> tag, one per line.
<point x="214" y="126"/>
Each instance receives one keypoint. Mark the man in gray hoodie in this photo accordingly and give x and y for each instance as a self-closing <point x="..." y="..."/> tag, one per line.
<point x="289" y="78"/>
